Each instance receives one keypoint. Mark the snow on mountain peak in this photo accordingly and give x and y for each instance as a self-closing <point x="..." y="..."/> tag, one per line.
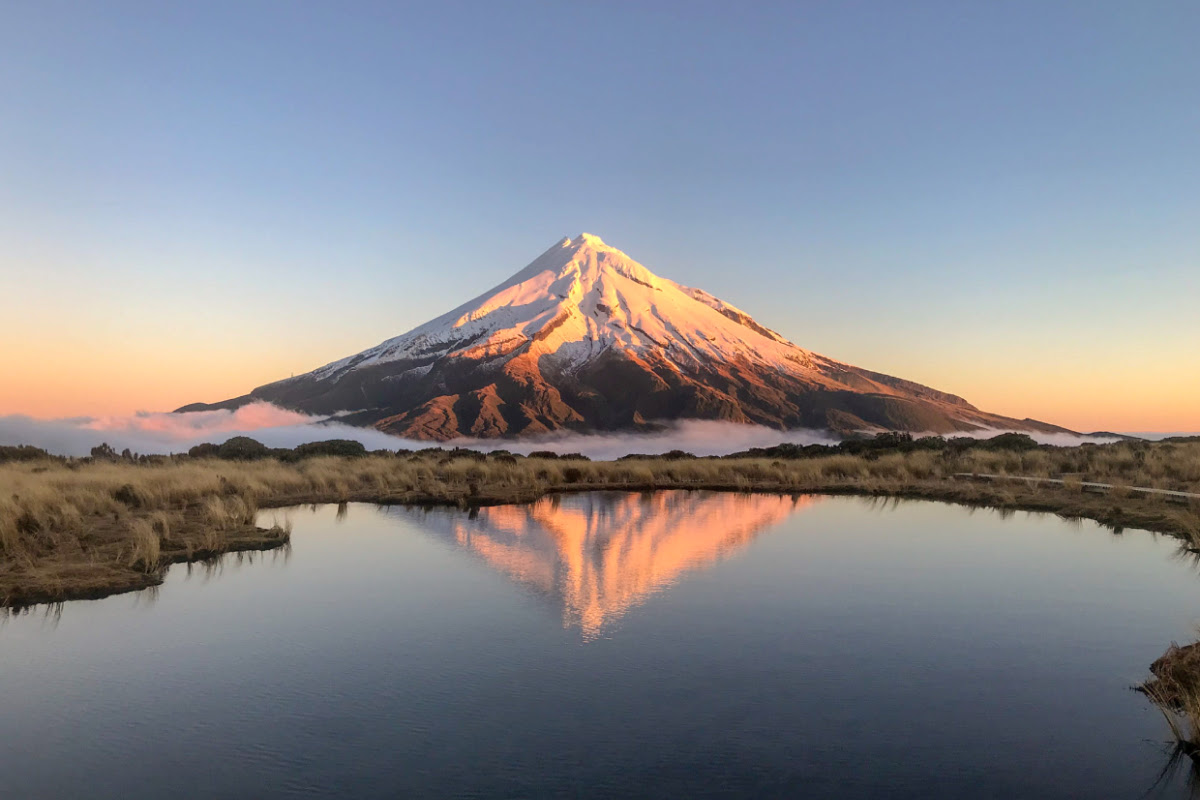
<point x="585" y="337"/>
<point x="577" y="300"/>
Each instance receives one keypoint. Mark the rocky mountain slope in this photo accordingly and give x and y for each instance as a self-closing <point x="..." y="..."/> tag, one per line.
<point x="586" y="338"/>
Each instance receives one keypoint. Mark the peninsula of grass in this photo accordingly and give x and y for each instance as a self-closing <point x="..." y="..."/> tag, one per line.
<point x="85" y="528"/>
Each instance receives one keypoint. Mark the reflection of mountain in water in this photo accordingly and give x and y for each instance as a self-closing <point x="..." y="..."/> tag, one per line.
<point x="600" y="554"/>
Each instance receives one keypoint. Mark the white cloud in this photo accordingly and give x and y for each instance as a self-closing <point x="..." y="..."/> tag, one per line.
<point x="155" y="432"/>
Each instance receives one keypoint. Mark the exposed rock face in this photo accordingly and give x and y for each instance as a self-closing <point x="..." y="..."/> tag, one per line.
<point x="586" y="338"/>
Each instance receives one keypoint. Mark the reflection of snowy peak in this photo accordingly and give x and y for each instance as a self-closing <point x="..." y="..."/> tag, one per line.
<point x="599" y="555"/>
<point x="587" y="338"/>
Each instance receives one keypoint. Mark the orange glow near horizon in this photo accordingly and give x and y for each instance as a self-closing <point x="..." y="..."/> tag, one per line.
<point x="69" y="381"/>
<point x="120" y="385"/>
<point x="74" y="377"/>
<point x="1159" y="397"/>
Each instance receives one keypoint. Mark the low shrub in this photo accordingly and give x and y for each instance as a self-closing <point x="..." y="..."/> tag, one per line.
<point x="242" y="448"/>
<point x="331" y="447"/>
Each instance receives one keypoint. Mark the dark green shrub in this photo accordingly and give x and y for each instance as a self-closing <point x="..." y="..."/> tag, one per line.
<point x="242" y="448"/>
<point x="463" y="452"/>
<point x="103" y="452"/>
<point x="1010" y="441"/>
<point x="347" y="448"/>
<point x="23" y="452"/>
<point x="205" y="450"/>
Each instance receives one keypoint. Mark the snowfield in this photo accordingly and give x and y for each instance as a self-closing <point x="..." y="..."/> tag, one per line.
<point x="580" y="298"/>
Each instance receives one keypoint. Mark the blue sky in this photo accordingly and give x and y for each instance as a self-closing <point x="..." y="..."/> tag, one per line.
<point x="999" y="199"/>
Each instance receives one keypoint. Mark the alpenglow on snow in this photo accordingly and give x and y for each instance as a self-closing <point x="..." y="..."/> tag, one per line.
<point x="585" y="338"/>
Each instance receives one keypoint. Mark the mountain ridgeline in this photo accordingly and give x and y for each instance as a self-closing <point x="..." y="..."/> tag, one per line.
<point x="587" y="339"/>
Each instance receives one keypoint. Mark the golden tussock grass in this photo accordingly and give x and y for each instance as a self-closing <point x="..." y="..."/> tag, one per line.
<point x="55" y="516"/>
<point x="1175" y="690"/>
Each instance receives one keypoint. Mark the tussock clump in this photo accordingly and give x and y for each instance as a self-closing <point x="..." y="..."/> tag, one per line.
<point x="844" y="467"/>
<point x="130" y="496"/>
<point x="145" y="546"/>
<point x="1175" y="690"/>
<point x="227" y="512"/>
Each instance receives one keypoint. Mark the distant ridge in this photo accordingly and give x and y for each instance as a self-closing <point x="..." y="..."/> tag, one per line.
<point x="1125" y="437"/>
<point x="585" y="338"/>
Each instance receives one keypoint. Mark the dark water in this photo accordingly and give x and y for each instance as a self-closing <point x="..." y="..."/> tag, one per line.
<point x="670" y="645"/>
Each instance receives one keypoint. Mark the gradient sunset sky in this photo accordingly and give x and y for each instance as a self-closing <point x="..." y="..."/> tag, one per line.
<point x="1001" y="200"/>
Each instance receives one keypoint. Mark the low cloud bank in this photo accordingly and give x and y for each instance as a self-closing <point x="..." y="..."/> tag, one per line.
<point x="161" y="432"/>
<point x="200" y="423"/>
<point x="147" y="432"/>
<point x="155" y="432"/>
<point x="1056" y="439"/>
<point x="700" y="437"/>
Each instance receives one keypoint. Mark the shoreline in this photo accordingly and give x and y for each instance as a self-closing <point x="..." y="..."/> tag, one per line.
<point x="85" y="577"/>
<point x="70" y="580"/>
<point x="74" y="529"/>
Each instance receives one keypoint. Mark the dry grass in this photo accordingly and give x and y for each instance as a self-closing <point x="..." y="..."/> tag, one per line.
<point x="145" y="545"/>
<point x="127" y="519"/>
<point x="1175" y="690"/>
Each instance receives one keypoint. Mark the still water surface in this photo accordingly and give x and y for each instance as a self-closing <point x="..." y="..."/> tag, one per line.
<point x="678" y="644"/>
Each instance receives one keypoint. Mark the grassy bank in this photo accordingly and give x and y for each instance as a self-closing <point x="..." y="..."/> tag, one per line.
<point x="86" y="528"/>
<point x="1174" y="687"/>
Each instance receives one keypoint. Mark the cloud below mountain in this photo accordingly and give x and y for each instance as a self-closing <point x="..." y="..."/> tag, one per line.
<point x="154" y="432"/>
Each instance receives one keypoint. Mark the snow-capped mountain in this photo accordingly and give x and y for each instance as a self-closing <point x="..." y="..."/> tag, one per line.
<point x="586" y="338"/>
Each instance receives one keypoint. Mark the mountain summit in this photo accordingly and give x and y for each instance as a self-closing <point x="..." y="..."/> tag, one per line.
<point x="586" y="338"/>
